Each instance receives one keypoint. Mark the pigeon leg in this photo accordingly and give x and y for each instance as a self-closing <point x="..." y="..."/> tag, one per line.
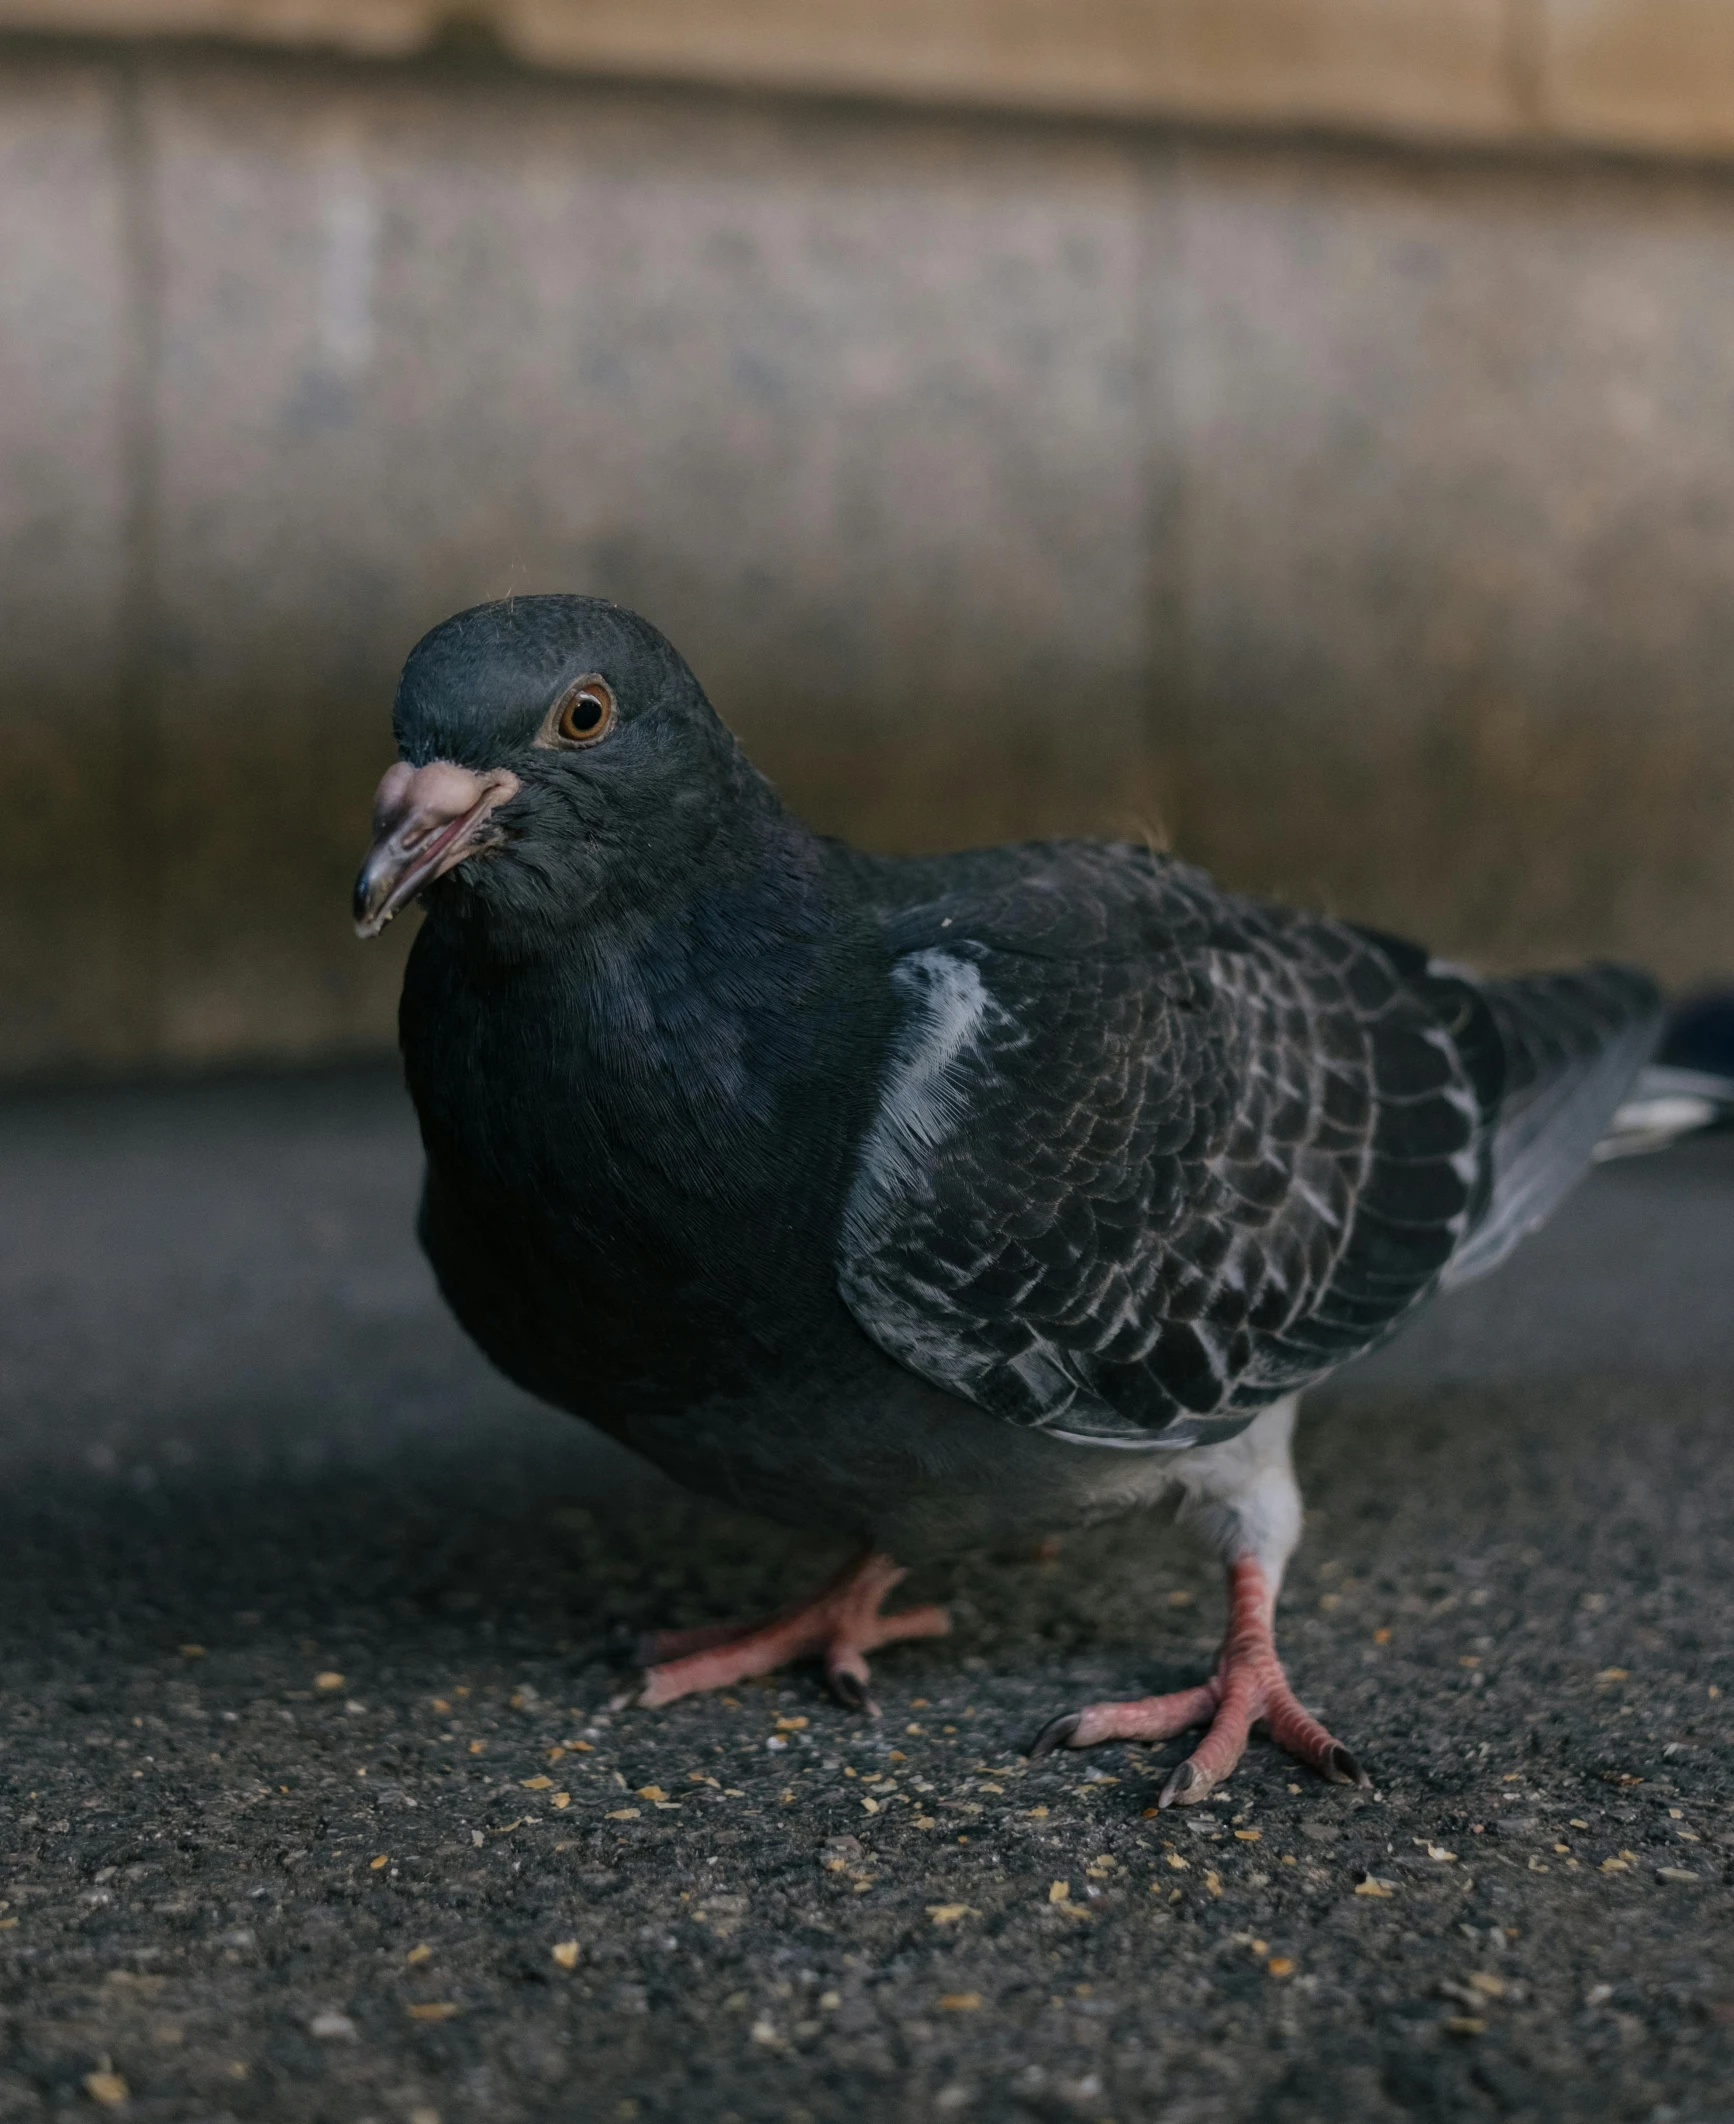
<point x="1249" y="1684"/>
<point x="840" y="1625"/>
<point x="1243" y="1495"/>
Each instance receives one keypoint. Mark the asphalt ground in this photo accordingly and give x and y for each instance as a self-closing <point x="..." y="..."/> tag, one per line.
<point x="314" y="1807"/>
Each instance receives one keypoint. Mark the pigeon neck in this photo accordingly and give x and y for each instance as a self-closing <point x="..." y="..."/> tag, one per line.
<point x="686" y="1042"/>
<point x="735" y="980"/>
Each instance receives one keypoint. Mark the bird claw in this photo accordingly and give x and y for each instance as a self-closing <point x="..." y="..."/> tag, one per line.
<point x="851" y="1691"/>
<point x="1339" y="1767"/>
<point x="1057" y="1733"/>
<point x="1181" y="1780"/>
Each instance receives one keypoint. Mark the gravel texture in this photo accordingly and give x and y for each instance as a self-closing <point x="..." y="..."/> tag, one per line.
<point x="315" y="1807"/>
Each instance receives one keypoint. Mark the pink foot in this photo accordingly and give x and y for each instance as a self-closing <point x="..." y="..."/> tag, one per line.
<point x="1248" y="1684"/>
<point x="841" y="1624"/>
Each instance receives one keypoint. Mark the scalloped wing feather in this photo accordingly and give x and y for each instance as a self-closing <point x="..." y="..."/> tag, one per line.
<point x="1150" y="1156"/>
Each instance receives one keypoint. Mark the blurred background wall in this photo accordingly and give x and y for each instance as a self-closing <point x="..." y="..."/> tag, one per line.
<point x="1301" y="429"/>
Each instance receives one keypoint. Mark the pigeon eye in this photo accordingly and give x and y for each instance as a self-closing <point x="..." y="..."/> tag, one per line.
<point x="586" y="713"/>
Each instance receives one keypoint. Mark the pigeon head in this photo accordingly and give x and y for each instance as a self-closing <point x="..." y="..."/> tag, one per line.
<point x="553" y="752"/>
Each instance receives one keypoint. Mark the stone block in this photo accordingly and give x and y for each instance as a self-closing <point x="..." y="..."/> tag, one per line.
<point x="370" y="26"/>
<point x="1427" y="66"/>
<point x="76" y="927"/>
<point x="1458" y="467"/>
<point x="1645" y="74"/>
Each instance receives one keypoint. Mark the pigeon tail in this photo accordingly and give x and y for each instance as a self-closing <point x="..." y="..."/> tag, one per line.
<point x="1665" y="1104"/>
<point x="1574" y="1045"/>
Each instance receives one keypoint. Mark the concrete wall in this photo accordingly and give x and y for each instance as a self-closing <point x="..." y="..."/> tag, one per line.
<point x="1360" y="516"/>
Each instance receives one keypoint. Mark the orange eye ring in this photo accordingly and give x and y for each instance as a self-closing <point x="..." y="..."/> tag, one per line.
<point x="586" y="711"/>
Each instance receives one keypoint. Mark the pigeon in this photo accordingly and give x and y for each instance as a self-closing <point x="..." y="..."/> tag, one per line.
<point x="932" y="1201"/>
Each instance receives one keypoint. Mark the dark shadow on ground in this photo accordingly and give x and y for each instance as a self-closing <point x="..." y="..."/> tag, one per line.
<point x="1515" y="1607"/>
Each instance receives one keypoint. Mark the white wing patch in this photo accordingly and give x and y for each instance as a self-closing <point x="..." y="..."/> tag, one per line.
<point x="922" y="1106"/>
<point x="923" y="1102"/>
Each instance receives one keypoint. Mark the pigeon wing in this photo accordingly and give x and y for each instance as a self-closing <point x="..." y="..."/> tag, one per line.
<point x="1148" y="1155"/>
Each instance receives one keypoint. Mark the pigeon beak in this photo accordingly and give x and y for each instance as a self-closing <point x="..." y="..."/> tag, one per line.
<point x="426" y="821"/>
